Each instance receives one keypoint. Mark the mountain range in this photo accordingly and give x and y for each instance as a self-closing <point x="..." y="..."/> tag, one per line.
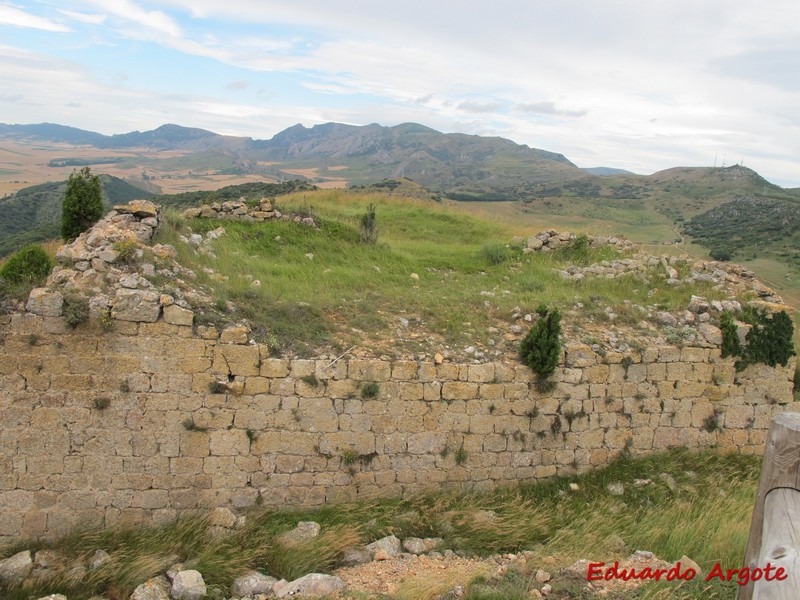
<point x="693" y="201"/>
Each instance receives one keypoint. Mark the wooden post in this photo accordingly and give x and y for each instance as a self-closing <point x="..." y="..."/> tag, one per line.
<point x="775" y="527"/>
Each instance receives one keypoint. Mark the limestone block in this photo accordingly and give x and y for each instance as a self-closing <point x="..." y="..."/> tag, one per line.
<point x="669" y="354"/>
<point x="369" y="370"/>
<point x="595" y="374"/>
<point x="274" y="367"/>
<point x="47" y="303"/>
<point x="135" y="305"/>
<point x="690" y="354"/>
<point x="235" y="334"/>
<point x="234" y="359"/>
<point x="360" y="442"/>
<point x="459" y="390"/>
<point x="404" y="370"/>
<point x="484" y="373"/>
<point x="176" y="315"/>
<point x="579" y="355"/>
<point x="229" y="442"/>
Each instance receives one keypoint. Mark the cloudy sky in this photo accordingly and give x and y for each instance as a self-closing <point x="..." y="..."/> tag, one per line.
<point x="641" y="85"/>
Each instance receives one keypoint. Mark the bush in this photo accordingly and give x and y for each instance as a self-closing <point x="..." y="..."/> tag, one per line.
<point x="126" y="250"/>
<point x="76" y="309"/>
<point x="730" y="337"/>
<point x="721" y="254"/>
<point x="29" y="264"/>
<point x="541" y="347"/>
<point x="369" y="226"/>
<point x="768" y="342"/>
<point x="494" y="254"/>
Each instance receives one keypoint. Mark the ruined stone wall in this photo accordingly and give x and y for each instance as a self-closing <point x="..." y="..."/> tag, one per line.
<point x="139" y="423"/>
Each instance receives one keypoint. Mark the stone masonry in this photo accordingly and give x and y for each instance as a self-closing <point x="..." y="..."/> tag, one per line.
<point x="141" y="423"/>
<point x="139" y="414"/>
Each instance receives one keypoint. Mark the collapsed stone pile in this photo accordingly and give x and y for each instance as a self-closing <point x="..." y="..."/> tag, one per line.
<point x="105" y="265"/>
<point x="240" y="210"/>
<point x="545" y="241"/>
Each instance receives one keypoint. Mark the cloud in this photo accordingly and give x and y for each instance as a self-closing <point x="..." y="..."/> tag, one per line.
<point x="149" y="19"/>
<point x="777" y="67"/>
<point x="91" y="19"/>
<point x="548" y="108"/>
<point x="19" y="18"/>
<point x="236" y="86"/>
<point x="479" y="107"/>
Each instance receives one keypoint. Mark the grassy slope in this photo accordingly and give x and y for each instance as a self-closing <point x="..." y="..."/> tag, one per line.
<point x="469" y="276"/>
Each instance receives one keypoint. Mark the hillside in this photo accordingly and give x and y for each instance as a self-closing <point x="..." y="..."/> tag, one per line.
<point x="546" y="187"/>
<point x="33" y="214"/>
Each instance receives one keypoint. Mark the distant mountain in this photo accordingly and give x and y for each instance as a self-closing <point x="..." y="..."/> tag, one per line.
<point x="51" y="132"/>
<point x="33" y="214"/>
<point x="606" y="171"/>
<point x="466" y="167"/>
<point x="166" y="137"/>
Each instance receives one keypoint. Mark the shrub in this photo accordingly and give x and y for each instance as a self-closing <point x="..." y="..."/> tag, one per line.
<point x="126" y="250"/>
<point x="29" y="264"/>
<point x="494" y="254"/>
<point x="768" y="342"/>
<point x="541" y="347"/>
<point x="76" y="309"/>
<point x="721" y="254"/>
<point x="730" y="337"/>
<point x="578" y="251"/>
<point x="369" y="226"/>
<point x="370" y="390"/>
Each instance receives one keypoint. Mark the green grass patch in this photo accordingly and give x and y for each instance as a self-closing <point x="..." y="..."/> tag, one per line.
<point x="453" y="275"/>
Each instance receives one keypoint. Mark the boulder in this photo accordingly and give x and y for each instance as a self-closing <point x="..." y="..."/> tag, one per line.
<point x="414" y="545"/>
<point x="138" y="208"/>
<point x="152" y="589"/>
<point x="251" y="584"/>
<point x="188" y="585"/>
<point x="222" y="517"/>
<point x="534" y="243"/>
<point x="389" y="544"/>
<point x="16" y="568"/>
<point x="711" y="333"/>
<point x="304" y="532"/>
<point x="355" y="556"/>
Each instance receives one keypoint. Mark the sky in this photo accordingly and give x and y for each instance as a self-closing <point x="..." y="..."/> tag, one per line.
<point x="633" y="84"/>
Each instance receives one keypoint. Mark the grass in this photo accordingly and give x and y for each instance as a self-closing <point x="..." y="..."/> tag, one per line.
<point x="706" y="517"/>
<point x="452" y="275"/>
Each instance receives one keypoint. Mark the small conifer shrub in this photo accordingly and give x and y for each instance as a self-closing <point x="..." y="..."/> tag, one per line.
<point x="541" y="347"/>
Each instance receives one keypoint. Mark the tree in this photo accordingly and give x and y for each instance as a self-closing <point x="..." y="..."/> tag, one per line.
<point x="83" y="204"/>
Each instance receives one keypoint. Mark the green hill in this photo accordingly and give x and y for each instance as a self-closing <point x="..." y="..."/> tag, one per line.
<point x="33" y="214"/>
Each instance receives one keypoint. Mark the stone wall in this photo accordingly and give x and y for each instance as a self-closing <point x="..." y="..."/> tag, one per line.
<point x="139" y="423"/>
